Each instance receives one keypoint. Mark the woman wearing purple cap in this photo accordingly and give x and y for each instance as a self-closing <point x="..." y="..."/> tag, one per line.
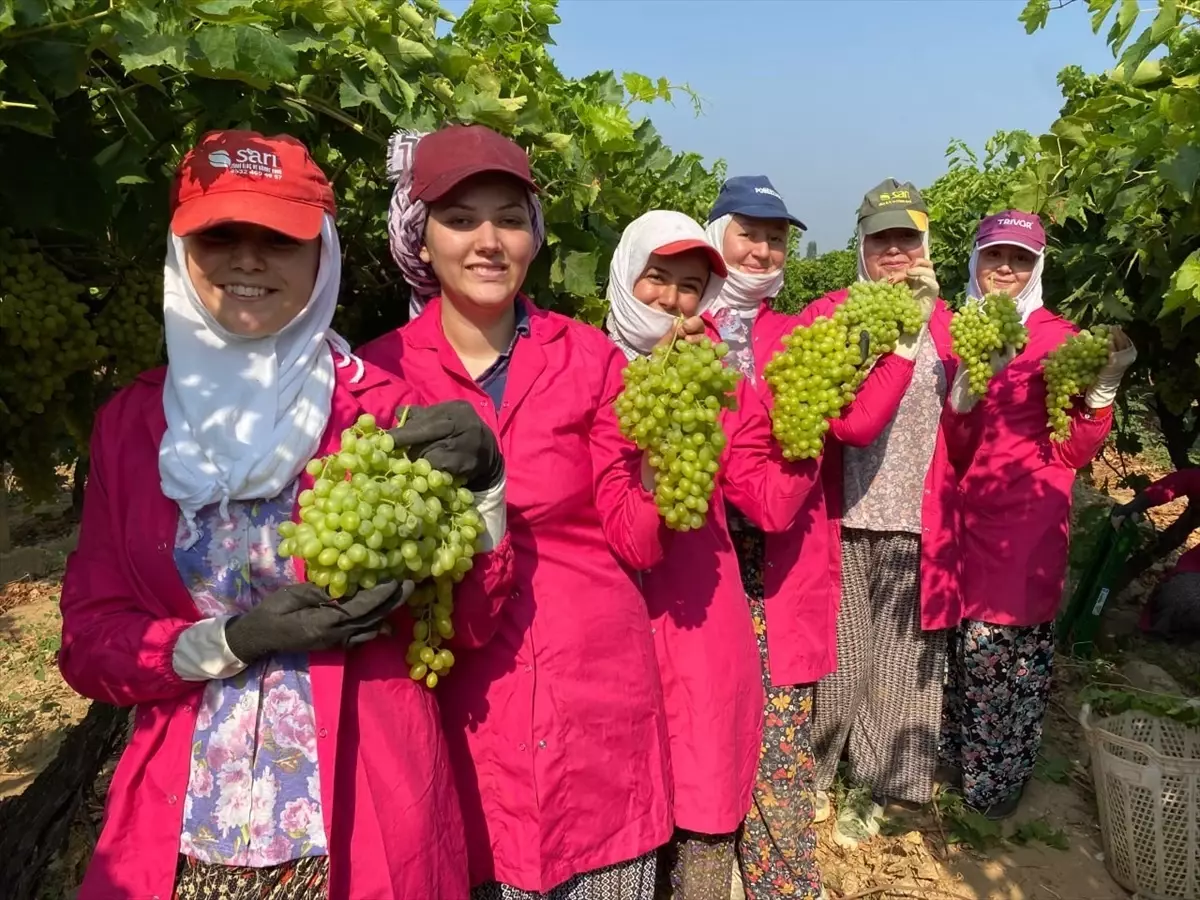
<point x="557" y="729"/>
<point x="1016" y="489"/>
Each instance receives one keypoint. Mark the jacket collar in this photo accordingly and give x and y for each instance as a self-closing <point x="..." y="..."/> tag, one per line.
<point x="426" y="329"/>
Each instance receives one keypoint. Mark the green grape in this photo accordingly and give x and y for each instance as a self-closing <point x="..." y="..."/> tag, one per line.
<point x="129" y="325"/>
<point x="671" y="408"/>
<point x="1068" y="372"/>
<point x="884" y="311"/>
<point x="981" y="329"/>
<point x="365" y="521"/>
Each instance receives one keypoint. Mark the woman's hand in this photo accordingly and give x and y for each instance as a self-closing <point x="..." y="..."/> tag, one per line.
<point x="1121" y="355"/>
<point x="301" y="618"/>
<point x="453" y="438"/>
<point x="690" y="329"/>
<point x="922" y="280"/>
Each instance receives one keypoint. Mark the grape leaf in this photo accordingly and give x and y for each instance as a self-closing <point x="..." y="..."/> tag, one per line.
<point x="1184" y="291"/>
<point x="1183" y="170"/>
<point x="1126" y="18"/>
<point x="1034" y="15"/>
<point x="301" y="41"/>
<point x="228" y="11"/>
<point x="155" y="50"/>
<point x="544" y="14"/>
<point x="409" y="52"/>
<point x="247" y="49"/>
<point x="1100" y="10"/>
<point x="640" y="87"/>
<point x="7" y="19"/>
<point x="579" y="273"/>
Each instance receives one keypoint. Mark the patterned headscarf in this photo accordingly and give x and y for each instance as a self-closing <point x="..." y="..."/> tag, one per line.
<point x="407" y="218"/>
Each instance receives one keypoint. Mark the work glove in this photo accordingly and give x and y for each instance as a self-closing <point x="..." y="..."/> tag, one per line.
<point x="1121" y="355"/>
<point x="301" y="618"/>
<point x="962" y="401"/>
<point x="1122" y="511"/>
<point x="924" y="285"/>
<point x="453" y="438"/>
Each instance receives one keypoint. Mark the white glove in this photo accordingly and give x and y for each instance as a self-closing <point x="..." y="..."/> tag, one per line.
<point x="962" y="401"/>
<point x="924" y="285"/>
<point x="906" y="347"/>
<point x="1121" y="356"/>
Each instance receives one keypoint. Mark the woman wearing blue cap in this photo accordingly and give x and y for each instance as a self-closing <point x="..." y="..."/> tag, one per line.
<point x="750" y="224"/>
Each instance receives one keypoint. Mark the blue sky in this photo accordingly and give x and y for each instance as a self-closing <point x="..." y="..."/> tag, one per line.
<point x="829" y="97"/>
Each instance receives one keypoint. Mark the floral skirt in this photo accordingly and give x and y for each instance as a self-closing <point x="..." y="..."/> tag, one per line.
<point x="777" y="844"/>
<point x="998" y="685"/>
<point x="300" y="879"/>
<point x="696" y="866"/>
<point x="632" y="880"/>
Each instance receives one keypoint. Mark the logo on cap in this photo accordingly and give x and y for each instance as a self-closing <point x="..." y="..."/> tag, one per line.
<point x="768" y="192"/>
<point x="1022" y="223"/>
<point x="889" y="197"/>
<point x="218" y="159"/>
<point x="248" y="161"/>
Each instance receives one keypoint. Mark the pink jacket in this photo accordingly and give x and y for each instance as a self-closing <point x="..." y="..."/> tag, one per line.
<point x="387" y="791"/>
<point x="557" y="730"/>
<point x="803" y="578"/>
<point x="1016" y="488"/>
<point x="1184" y="483"/>
<point x="704" y="634"/>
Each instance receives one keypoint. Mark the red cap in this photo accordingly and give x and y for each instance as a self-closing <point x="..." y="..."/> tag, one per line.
<point x="449" y="156"/>
<point x="243" y="176"/>
<point x="715" y="261"/>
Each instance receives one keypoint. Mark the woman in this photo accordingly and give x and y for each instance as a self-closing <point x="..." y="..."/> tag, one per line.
<point x="896" y="506"/>
<point x="1016" y="508"/>
<point x="664" y="272"/>
<point x="267" y="717"/>
<point x="557" y="726"/>
<point x="1173" y="609"/>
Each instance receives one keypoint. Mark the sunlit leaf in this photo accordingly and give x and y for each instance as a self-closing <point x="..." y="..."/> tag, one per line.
<point x="1034" y="15"/>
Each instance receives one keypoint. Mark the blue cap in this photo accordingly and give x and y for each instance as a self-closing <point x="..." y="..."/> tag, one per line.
<point x="754" y="196"/>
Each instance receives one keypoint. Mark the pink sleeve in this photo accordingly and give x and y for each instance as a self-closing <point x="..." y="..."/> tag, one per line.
<point x="1086" y="438"/>
<point x="1185" y="482"/>
<point x="876" y="402"/>
<point x="755" y="477"/>
<point x="113" y="648"/>
<point x="480" y="596"/>
<point x="632" y="526"/>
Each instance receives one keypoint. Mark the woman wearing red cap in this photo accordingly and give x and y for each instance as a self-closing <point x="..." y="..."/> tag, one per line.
<point x="279" y="747"/>
<point x="557" y="727"/>
<point x="1016" y="510"/>
<point x="664" y="269"/>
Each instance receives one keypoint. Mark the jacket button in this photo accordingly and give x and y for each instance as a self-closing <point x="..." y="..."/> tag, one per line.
<point x="172" y="799"/>
<point x="529" y="668"/>
<point x="542" y="745"/>
<point x="162" y="548"/>
<point x="653" y="630"/>
<point x="521" y="747"/>
<point x="323" y="733"/>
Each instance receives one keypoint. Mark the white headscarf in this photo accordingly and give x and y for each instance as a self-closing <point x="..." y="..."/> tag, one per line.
<point x="1030" y="297"/>
<point x="743" y="292"/>
<point x="635" y="326"/>
<point x="244" y="415"/>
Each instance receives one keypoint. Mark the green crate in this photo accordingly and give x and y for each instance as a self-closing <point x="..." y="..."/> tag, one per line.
<point x="1079" y="622"/>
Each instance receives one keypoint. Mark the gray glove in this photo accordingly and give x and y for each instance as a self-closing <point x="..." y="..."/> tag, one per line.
<point x="453" y="438"/>
<point x="300" y="618"/>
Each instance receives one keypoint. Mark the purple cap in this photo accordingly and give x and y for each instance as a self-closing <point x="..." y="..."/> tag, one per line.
<point x="1012" y="227"/>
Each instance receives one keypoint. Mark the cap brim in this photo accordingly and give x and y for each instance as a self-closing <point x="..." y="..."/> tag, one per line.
<point x="448" y="181"/>
<point x="765" y="212"/>
<point x="913" y="220"/>
<point x="301" y="221"/>
<point x="1032" y="248"/>
<point x="715" y="261"/>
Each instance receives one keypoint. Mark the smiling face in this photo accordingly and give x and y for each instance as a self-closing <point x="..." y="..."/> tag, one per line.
<point x="479" y="241"/>
<point x="755" y="246"/>
<point x="251" y="279"/>
<point x="1004" y="268"/>
<point x="888" y="254"/>
<point x="674" y="283"/>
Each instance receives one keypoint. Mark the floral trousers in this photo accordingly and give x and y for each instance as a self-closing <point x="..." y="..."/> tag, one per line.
<point x="300" y="879"/>
<point x="777" y="844"/>
<point x="997" y="688"/>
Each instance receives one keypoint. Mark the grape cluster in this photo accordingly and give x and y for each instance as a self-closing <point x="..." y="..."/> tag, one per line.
<point x="373" y="514"/>
<point x="1069" y="371"/>
<point x="984" y="328"/>
<point x="885" y="311"/>
<point x="670" y="407"/>
<point x="129" y="327"/>
<point x="811" y="379"/>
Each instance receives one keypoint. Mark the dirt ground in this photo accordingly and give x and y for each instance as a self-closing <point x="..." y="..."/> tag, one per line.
<point x="1051" y="850"/>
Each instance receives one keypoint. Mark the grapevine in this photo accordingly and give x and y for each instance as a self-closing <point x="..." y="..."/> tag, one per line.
<point x="670" y="407"/>
<point x="1069" y="371"/>
<point x="373" y="514"/>
<point x="129" y="326"/>
<point x="982" y="329"/>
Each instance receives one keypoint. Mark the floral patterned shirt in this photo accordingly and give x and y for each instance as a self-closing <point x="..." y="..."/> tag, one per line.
<point x="254" y="795"/>
<point x="735" y="329"/>
<point x="885" y="481"/>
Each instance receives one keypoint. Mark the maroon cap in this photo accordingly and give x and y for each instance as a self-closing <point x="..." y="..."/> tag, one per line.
<point x="1012" y="227"/>
<point x="243" y="176"/>
<point x="447" y="157"/>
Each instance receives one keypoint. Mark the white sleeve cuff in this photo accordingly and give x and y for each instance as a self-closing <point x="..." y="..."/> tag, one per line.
<point x="492" y="506"/>
<point x="202" y="654"/>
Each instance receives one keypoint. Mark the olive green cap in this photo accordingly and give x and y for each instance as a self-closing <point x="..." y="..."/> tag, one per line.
<point x="893" y="204"/>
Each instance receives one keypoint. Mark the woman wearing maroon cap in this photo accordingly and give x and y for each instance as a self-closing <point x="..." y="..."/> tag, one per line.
<point x="279" y="747"/>
<point x="557" y="726"/>
<point x="664" y="269"/>
<point x="1016" y="509"/>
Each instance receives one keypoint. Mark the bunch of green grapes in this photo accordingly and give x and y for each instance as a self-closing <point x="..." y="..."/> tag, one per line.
<point x="129" y="327"/>
<point x="885" y="311"/>
<point x="1069" y="371"/>
<point x="670" y="408"/>
<point x="811" y="379"/>
<point x="983" y="328"/>
<point x="372" y="515"/>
